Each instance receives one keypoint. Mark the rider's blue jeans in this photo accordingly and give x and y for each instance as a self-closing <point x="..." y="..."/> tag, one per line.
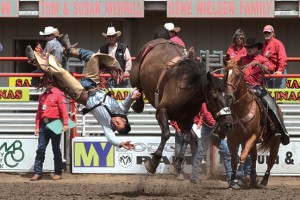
<point x="277" y="82"/>
<point x="45" y="136"/>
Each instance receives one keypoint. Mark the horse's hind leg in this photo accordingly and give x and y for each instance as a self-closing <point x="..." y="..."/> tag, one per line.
<point x="274" y="148"/>
<point x="162" y="118"/>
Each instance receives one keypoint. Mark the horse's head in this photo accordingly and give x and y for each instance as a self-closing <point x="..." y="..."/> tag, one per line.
<point x="233" y="79"/>
<point x="218" y="102"/>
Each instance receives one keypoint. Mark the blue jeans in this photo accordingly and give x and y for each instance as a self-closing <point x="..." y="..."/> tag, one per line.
<point x="277" y="82"/>
<point x="178" y="142"/>
<point x="203" y="145"/>
<point x="85" y="54"/>
<point x="44" y="137"/>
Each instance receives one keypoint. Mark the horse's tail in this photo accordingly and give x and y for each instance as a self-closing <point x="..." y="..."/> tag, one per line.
<point x="265" y="145"/>
<point x="138" y="105"/>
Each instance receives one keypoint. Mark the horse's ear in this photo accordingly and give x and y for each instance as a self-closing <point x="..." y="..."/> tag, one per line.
<point x="191" y="52"/>
<point x="208" y="77"/>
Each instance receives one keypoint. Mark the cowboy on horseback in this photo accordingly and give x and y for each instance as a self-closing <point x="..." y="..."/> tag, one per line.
<point x="254" y="66"/>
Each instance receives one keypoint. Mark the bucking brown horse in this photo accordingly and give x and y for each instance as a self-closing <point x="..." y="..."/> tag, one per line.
<point x="176" y="84"/>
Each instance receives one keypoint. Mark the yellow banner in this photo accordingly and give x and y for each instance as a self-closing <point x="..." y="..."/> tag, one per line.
<point x="293" y="83"/>
<point x="19" y="81"/>
<point x="285" y="95"/>
<point x="121" y="93"/>
<point x="14" y="94"/>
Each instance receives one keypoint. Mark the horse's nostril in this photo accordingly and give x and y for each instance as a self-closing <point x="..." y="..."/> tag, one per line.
<point x="228" y="126"/>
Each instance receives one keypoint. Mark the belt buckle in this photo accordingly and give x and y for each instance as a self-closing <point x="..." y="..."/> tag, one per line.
<point x="46" y="120"/>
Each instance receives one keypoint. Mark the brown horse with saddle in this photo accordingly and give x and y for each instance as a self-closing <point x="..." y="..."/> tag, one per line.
<point x="254" y="122"/>
<point x="176" y="84"/>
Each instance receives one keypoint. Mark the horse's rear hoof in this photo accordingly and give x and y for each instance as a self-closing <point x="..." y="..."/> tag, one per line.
<point x="150" y="167"/>
<point x="173" y="170"/>
<point x="263" y="184"/>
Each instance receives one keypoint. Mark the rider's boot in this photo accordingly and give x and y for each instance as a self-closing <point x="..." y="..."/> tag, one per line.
<point x="273" y="110"/>
<point x="70" y="50"/>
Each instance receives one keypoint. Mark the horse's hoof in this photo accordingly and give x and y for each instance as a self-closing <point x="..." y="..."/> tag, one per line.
<point x="245" y="182"/>
<point x="263" y="184"/>
<point x="173" y="170"/>
<point x="150" y="166"/>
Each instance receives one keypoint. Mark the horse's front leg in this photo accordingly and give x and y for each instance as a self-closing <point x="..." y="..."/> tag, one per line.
<point x="162" y="118"/>
<point x="176" y="168"/>
<point x="274" y="148"/>
<point x="233" y="148"/>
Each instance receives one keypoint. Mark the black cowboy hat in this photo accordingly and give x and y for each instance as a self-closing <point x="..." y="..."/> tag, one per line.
<point x="252" y="42"/>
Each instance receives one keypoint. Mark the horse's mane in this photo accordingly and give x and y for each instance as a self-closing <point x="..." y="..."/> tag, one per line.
<point x="219" y="83"/>
<point x="192" y="73"/>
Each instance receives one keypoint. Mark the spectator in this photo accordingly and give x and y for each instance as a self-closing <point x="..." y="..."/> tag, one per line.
<point x="120" y="52"/>
<point x="237" y="49"/>
<point x="207" y="122"/>
<point x="173" y="33"/>
<point x="52" y="46"/>
<point x="109" y="113"/>
<point x="252" y="76"/>
<point x="52" y="106"/>
<point x="274" y="50"/>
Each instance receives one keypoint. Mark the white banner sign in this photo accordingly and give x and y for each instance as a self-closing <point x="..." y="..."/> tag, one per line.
<point x="96" y="155"/>
<point x="18" y="155"/>
<point x="287" y="162"/>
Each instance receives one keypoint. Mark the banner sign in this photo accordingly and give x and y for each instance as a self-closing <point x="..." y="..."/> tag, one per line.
<point x="18" y="155"/>
<point x="96" y="155"/>
<point x="91" y="8"/>
<point x="221" y="8"/>
<point x="14" y="94"/>
<point x="9" y="8"/>
<point x="287" y="162"/>
<point x="19" y="81"/>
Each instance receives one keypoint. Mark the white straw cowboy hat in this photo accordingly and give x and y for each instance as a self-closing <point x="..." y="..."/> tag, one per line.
<point x="111" y="31"/>
<point x="171" y="27"/>
<point x="50" y="30"/>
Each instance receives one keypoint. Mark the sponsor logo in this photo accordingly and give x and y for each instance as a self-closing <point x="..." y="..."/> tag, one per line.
<point x="125" y="160"/>
<point x="93" y="154"/>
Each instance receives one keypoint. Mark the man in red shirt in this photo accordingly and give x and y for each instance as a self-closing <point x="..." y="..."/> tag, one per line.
<point x="173" y="33"/>
<point x="252" y="76"/>
<point x="237" y="49"/>
<point x="274" y="50"/>
<point x="52" y="106"/>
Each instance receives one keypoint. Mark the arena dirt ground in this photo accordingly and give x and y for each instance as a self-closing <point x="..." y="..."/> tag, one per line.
<point x="97" y="186"/>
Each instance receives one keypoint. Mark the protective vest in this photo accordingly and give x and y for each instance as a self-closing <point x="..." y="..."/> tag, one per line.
<point x="119" y="53"/>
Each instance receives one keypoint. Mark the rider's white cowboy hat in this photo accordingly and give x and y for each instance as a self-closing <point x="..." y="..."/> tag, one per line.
<point x="171" y="27"/>
<point x="111" y="31"/>
<point x="50" y="30"/>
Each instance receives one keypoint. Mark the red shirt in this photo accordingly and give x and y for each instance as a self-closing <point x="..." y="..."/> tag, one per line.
<point x="206" y="117"/>
<point x="253" y="73"/>
<point x="274" y="50"/>
<point x="234" y="53"/>
<point x="52" y="104"/>
<point x="177" y="40"/>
